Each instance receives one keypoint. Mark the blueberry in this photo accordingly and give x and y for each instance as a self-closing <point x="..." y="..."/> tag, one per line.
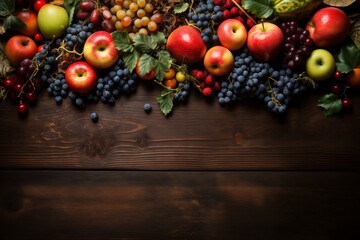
<point x="94" y="117"/>
<point x="147" y="107"/>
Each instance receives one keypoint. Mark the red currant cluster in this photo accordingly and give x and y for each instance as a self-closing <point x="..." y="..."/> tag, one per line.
<point x="22" y="88"/>
<point x="231" y="10"/>
<point x="208" y="84"/>
<point x="339" y="88"/>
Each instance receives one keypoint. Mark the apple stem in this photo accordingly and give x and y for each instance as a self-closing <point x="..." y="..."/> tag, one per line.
<point x="263" y="26"/>
<point x="243" y="10"/>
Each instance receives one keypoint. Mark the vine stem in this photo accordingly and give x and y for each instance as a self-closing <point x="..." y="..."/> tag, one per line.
<point x="243" y="10"/>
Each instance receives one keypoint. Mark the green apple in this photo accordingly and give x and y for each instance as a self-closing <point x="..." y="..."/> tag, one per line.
<point x="52" y="21"/>
<point x="320" y="65"/>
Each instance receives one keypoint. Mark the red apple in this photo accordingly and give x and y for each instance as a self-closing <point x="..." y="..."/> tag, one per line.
<point x="232" y="34"/>
<point x="30" y="19"/>
<point x="186" y="45"/>
<point x="100" y="51"/>
<point x="219" y="61"/>
<point x="148" y="76"/>
<point x="328" y="27"/>
<point x="81" y="77"/>
<point x="265" y="41"/>
<point x="18" y="48"/>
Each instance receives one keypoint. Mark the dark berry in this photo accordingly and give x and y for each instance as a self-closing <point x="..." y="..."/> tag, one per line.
<point x="22" y="108"/>
<point x="346" y="102"/>
<point x="336" y="89"/>
<point x="337" y="75"/>
<point x="147" y="107"/>
<point x="94" y="117"/>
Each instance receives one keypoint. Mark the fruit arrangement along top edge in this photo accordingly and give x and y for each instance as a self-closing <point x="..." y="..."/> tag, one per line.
<point x="98" y="51"/>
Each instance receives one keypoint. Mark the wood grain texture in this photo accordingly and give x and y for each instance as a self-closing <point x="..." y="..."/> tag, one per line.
<point x="200" y="135"/>
<point x="178" y="205"/>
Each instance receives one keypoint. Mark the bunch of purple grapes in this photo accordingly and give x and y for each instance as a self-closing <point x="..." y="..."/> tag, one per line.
<point x="298" y="45"/>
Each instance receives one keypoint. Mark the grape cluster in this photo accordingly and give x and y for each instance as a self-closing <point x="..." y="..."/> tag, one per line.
<point x="182" y="92"/>
<point x="298" y="45"/>
<point x="206" y="16"/>
<point x="249" y="78"/>
<point x="136" y="16"/>
<point x="55" y="57"/>
<point x="76" y="35"/>
<point x="118" y="80"/>
<point x="96" y="14"/>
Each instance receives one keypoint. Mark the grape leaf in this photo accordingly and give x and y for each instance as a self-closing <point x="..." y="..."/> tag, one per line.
<point x="144" y="43"/>
<point x="163" y="63"/>
<point x="14" y="23"/>
<point x="159" y="38"/>
<point x="337" y="3"/>
<point x="347" y="58"/>
<point x="331" y="103"/>
<point x="130" y="59"/>
<point x="70" y="6"/>
<point x="147" y="63"/>
<point x="122" y="41"/>
<point x="260" y="8"/>
<point x="181" y="7"/>
<point x="165" y="101"/>
<point x="6" y="7"/>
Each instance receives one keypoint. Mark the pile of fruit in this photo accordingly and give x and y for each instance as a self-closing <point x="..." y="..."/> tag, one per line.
<point x="92" y="51"/>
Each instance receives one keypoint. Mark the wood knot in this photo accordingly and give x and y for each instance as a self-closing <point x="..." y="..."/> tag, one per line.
<point x="142" y="141"/>
<point x="96" y="147"/>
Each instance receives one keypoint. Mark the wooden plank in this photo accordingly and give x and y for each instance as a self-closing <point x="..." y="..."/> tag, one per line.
<point x="178" y="205"/>
<point x="200" y="135"/>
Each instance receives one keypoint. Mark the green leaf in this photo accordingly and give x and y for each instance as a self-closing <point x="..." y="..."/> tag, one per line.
<point x="260" y="8"/>
<point x="347" y="58"/>
<point x="122" y="41"/>
<point x="158" y="37"/>
<point x="165" y="58"/>
<point x="331" y="103"/>
<point x="165" y="101"/>
<point x="147" y="63"/>
<point x="14" y="23"/>
<point x="70" y="6"/>
<point x="130" y="59"/>
<point x="144" y="43"/>
<point x="181" y="7"/>
<point x="163" y="63"/>
<point x="6" y="7"/>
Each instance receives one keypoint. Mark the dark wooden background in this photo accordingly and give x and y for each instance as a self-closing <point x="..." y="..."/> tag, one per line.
<point x="216" y="173"/>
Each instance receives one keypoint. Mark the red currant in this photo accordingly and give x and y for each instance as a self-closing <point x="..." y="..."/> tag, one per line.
<point x="346" y="102"/>
<point x="38" y="4"/>
<point x="31" y="97"/>
<point x="207" y="91"/>
<point x="336" y="88"/>
<point x="22" y="108"/>
<point x="38" y="37"/>
<point x="8" y="83"/>
<point x="17" y="88"/>
<point x="337" y="76"/>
